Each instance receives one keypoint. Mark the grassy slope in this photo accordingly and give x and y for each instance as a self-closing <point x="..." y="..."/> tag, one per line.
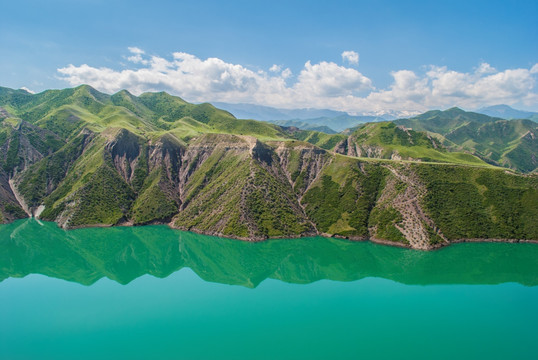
<point x="66" y="111"/>
<point x="443" y="122"/>
<point x="153" y="204"/>
<point x="205" y="206"/>
<point x="408" y="144"/>
<point x="40" y="178"/>
<point x="323" y="140"/>
<point x="502" y="142"/>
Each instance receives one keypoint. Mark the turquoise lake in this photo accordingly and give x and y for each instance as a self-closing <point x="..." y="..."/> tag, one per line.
<point x="156" y="293"/>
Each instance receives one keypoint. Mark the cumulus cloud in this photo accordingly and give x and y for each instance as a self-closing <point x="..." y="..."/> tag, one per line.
<point x="441" y="87"/>
<point x="275" y="68"/>
<point x="317" y="85"/>
<point x="286" y="73"/>
<point x="136" y="50"/>
<point x="327" y="79"/>
<point x="351" y="57"/>
<point x="137" y="56"/>
<point x="27" y="90"/>
<point x="485" y="68"/>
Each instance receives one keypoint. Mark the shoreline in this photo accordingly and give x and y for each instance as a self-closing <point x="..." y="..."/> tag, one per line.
<point x="297" y="236"/>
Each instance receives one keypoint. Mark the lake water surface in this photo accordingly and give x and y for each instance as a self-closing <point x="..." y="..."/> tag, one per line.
<point x="156" y="293"/>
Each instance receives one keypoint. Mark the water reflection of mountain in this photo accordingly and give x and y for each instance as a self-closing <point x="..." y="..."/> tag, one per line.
<point x="125" y="253"/>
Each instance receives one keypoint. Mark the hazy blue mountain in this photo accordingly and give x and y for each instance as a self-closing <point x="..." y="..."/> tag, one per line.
<point x="304" y="125"/>
<point x="304" y="119"/>
<point x="265" y="113"/>
<point x="507" y="112"/>
<point x="337" y="124"/>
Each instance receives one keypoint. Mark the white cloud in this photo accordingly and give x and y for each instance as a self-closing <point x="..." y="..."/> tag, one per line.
<point x="286" y="73"/>
<point x="27" y="90"/>
<point x="137" y="56"/>
<point x="275" y="68"/>
<point x="327" y="79"/>
<point x="440" y="88"/>
<point x="318" y="85"/>
<point x="135" y="50"/>
<point x="351" y="57"/>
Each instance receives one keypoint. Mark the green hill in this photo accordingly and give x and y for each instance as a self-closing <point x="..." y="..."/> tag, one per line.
<point x="83" y="158"/>
<point x="508" y="143"/>
<point x="386" y="140"/>
<point x="443" y="122"/>
<point x="71" y="109"/>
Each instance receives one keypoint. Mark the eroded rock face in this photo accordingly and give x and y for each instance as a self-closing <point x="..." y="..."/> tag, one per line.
<point x="416" y="226"/>
<point x="24" y="146"/>
<point x="301" y="164"/>
<point x="351" y="147"/>
<point x="166" y="153"/>
<point x="8" y="198"/>
<point x="125" y="150"/>
<point x="262" y="153"/>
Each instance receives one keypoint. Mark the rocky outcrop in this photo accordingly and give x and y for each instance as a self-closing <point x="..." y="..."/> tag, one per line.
<point x="351" y="147"/>
<point x="302" y="163"/>
<point x="125" y="150"/>
<point x="417" y="227"/>
<point x="10" y="208"/>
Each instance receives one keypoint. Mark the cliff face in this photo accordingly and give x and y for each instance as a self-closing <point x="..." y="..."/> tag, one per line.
<point x="21" y="145"/>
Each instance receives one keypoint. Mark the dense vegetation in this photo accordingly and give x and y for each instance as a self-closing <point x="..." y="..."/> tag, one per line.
<point x="475" y="203"/>
<point x="342" y="202"/>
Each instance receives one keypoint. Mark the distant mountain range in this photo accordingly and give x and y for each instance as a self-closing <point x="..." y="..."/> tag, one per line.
<point x="329" y="125"/>
<point x="324" y="120"/>
<point x="507" y="112"/>
<point x="331" y="122"/>
<point x="266" y="113"/>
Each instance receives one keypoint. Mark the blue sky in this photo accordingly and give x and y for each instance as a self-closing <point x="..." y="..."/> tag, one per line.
<point x="412" y="56"/>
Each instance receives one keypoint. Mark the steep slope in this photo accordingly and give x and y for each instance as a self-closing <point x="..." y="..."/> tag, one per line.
<point x="21" y="145"/>
<point x="240" y="187"/>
